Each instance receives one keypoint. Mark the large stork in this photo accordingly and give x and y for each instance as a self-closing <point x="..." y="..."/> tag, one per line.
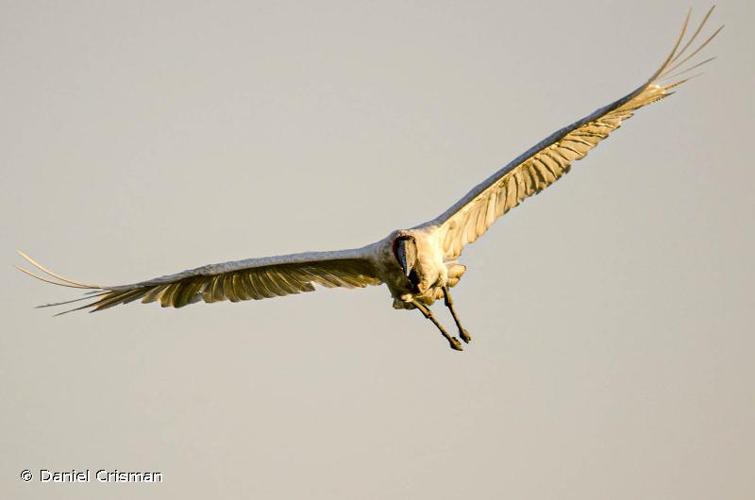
<point x="418" y="265"/>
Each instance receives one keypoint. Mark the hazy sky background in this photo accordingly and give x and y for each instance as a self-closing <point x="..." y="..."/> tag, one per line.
<point x="612" y="315"/>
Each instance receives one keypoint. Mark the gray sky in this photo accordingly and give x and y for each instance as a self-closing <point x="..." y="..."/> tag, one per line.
<point x="612" y="315"/>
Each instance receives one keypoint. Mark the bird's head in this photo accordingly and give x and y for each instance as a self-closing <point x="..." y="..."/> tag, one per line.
<point x="405" y="251"/>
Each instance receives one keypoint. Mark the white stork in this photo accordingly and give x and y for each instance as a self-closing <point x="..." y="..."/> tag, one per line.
<point x="418" y="265"/>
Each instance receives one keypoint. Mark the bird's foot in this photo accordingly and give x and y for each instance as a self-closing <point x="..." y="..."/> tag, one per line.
<point x="455" y="344"/>
<point x="465" y="336"/>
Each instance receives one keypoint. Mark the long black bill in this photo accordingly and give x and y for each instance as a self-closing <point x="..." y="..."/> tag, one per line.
<point x="406" y="252"/>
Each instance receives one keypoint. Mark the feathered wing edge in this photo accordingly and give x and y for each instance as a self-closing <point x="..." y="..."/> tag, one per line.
<point x="235" y="281"/>
<point x="547" y="161"/>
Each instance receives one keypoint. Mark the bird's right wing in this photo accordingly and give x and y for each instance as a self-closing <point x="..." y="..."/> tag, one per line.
<point x="237" y="280"/>
<point x="547" y="161"/>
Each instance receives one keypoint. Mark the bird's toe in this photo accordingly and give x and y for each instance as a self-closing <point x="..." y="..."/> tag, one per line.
<point x="465" y="336"/>
<point x="455" y="344"/>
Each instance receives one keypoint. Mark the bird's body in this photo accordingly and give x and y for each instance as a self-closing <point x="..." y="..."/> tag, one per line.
<point x="433" y="271"/>
<point x="420" y="264"/>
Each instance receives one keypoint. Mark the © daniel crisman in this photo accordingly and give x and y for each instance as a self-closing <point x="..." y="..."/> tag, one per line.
<point x="420" y="264"/>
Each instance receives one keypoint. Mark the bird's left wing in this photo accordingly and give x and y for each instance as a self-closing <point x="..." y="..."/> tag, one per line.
<point x="547" y="161"/>
<point x="237" y="280"/>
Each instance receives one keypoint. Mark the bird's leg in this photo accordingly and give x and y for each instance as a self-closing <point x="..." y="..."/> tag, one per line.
<point x="450" y="305"/>
<point x="452" y="341"/>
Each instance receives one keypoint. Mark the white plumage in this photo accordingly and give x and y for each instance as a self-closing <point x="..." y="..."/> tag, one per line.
<point x="418" y="265"/>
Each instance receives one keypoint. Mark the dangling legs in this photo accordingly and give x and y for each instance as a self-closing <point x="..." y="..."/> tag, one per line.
<point x="452" y="341"/>
<point x="450" y="305"/>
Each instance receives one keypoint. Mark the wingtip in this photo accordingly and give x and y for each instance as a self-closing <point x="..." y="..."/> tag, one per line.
<point x="679" y="54"/>
<point x="63" y="281"/>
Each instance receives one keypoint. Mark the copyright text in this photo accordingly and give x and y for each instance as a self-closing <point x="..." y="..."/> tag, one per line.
<point x="90" y="475"/>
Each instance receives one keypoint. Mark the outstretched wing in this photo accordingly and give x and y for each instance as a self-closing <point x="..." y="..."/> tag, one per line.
<point x="547" y="161"/>
<point x="238" y="280"/>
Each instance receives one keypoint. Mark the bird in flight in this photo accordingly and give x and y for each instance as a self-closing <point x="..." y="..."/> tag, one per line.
<point x="418" y="265"/>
